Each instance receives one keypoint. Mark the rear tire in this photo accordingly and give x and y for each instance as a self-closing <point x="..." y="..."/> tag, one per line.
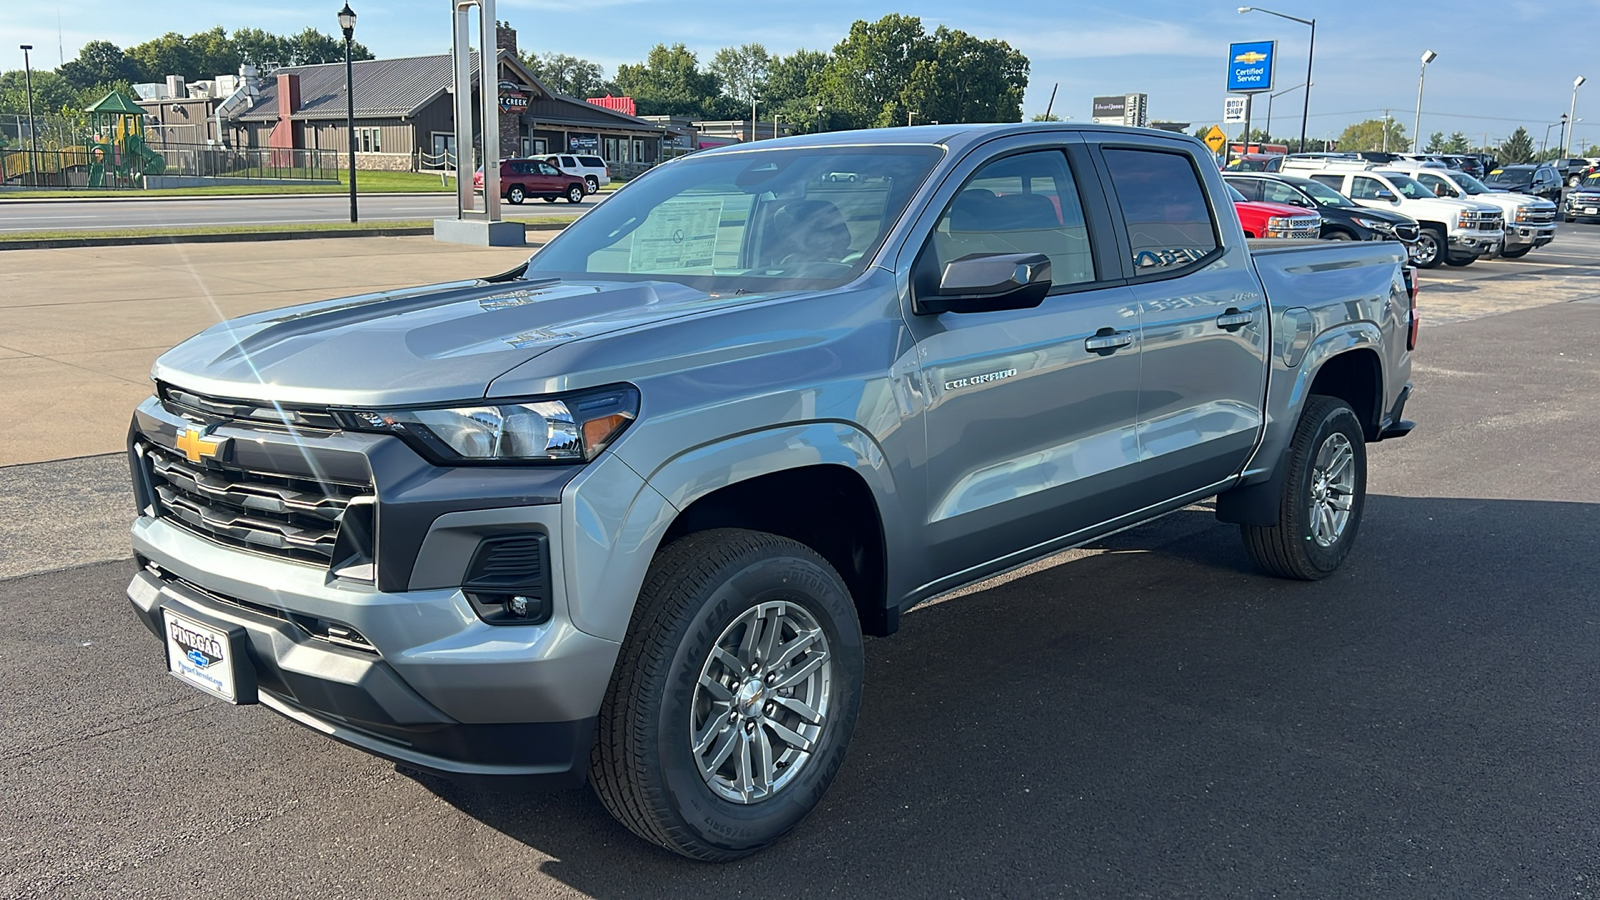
<point x="575" y="194"/>
<point x="1339" y="235"/>
<point x="1324" y="493"/>
<point x="516" y="194"/>
<point x="744" y="650"/>
<point x="592" y="183"/>
<point x="1431" y="244"/>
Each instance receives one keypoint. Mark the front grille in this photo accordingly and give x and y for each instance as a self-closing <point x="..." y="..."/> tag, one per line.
<point x="1408" y="233"/>
<point x="1539" y="217"/>
<point x="1304" y="227"/>
<point x="287" y="516"/>
<point x="195" y="406"/>
<point x="1493" y="222"/>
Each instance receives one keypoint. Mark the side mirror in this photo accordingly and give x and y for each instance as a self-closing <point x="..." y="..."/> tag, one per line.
<point x="1385" y="195"/>
<point x="987" y="282"/>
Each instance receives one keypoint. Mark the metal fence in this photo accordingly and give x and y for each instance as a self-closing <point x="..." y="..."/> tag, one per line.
<point x="92" y="166"/>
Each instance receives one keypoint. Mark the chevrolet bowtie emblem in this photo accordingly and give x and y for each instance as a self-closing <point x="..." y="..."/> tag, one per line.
<point x="1251" y="57"/>
<point x="196" y="446"/>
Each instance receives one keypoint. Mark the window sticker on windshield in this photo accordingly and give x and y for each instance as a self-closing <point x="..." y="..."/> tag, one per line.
<point x="679" y="235"/>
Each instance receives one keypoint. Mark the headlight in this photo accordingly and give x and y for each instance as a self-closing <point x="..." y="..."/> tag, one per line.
<point x="1522" y="214"/>
<point x="571" y="428"/>
<point x="1466" y="219"/>
<point x="1375" y="224"/>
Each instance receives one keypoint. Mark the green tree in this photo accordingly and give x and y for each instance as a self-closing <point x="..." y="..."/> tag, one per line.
<point x="261" y="48"/>
<point x="966" y="79"/>
<point x="742" y="72"/>
<point x="51" y="92"/>
<point x="1458" y="143"/>
<point x="870" y="68"/>
<point x="570" y="75"/>
<point x="1374" y="134"/>
<point x="1052" y="117"/>
<point x="1518" y="148"/>
<point x="1436" y="143"/>
<point x="311" y="47"/>
<point x="797" y="76"/>
<point x="669" y="82"/>
<point x="99" y="62"/>
<point x="169" y="54"/>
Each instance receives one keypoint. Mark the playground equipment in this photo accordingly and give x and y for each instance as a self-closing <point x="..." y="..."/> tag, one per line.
<point x="118" y="146"/>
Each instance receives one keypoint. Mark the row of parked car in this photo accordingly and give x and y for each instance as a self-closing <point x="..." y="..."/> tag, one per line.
<point x="1445" y="216"/>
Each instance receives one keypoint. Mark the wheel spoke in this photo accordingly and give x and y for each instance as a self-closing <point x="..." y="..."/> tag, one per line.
<point x="799" y="708"/>
<point x="791" y="737"/>
<point x="765" y="770"/>
<point x="794" y="647"/>
<point x="728" y="660"/>
<point x="714" y="726"/>
<point x="717" y="689"/>
<point x="769" y="641"/>
<point x="801" y="673"/>
<point x="744" y="766"/>
<point x="724" y="747"/>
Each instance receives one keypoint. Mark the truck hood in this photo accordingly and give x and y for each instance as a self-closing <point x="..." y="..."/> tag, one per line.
<point x="431" y="344"/>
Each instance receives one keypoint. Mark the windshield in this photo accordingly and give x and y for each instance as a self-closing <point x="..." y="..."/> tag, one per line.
<point x="1509" y="176"/>
<point x="1592" y="182"/>
<point x="1408" y="187"/>
<point x="1469" y="184"/>
<point x="764" y="220"/>
<point x="1324" y="195"/>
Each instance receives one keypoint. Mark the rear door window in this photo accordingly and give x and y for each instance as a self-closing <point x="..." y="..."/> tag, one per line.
<point x="1365" y="188"/>
<point x="1249" y="187"/>
<point x="593" y="162"/>
<point x="1019" y="204"/>
<point x="1163" y="207"/>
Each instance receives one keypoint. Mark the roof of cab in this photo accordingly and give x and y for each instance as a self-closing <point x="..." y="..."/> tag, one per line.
<point x="956" y="137"/>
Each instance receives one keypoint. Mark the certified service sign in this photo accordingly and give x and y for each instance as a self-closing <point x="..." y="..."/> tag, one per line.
<point x="1250" y="66"/>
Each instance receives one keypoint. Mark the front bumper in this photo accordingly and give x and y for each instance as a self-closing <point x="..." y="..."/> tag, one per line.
<point x="1486" y="243"/>
<point x="1529" y="235"/>
<point x="426" y="682"/>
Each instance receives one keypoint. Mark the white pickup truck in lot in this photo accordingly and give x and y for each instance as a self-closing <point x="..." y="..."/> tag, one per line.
<point x="1530" y="222"/>
<point x="625" y="513"/>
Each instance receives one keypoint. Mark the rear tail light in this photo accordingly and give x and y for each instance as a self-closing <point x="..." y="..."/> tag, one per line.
<point x="1411" y="296"/>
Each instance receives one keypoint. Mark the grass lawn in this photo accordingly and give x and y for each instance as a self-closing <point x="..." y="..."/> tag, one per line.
<point x="19" y="236"/>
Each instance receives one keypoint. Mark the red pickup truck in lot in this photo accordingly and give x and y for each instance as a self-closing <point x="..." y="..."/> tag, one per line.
<point x="1262" y="219"/>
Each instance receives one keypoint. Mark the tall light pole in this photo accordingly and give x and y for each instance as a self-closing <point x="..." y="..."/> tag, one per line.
<point x="347" y="22"/>
<point x="1311" y="49"/>
<point x="33" y="131"/>
<point x="1428" y="56"/>
<point x="1269" y="105"/>
<point x="1572" y="113"/>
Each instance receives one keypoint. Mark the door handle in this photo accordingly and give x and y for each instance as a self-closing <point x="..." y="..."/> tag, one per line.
<point x="1233" y="320"/>
<point x="1107" y="340"/>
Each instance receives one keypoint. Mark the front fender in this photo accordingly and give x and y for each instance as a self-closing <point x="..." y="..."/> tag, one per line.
<point x="615" y="518"/>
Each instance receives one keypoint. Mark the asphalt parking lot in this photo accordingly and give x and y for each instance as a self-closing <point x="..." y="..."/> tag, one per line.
<point x="1143" y="717"/>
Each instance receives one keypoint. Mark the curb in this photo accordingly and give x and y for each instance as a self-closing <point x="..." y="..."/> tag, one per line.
<point x="240" y="237"/>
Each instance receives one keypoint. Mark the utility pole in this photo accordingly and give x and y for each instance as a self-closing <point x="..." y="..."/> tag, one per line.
<point x="1386" y="131"/>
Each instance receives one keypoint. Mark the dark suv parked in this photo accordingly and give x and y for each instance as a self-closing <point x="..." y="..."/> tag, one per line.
<point x="1342" y="218"/>
<point x="1539" y="179"/>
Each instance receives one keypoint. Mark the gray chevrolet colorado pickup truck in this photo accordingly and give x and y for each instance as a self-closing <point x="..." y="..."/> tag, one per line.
<point x="625" y="512"/>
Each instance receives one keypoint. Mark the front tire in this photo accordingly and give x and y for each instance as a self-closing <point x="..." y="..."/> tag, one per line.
<point x="1518" y="253"/>
<point x="1324" y="493"/>
<point x="1460" y="261"/>
<point x="1431" y="243"/>
<point x="734" y="695"/>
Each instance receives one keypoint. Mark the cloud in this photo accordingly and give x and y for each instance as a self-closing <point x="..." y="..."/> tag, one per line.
<point x="1143" y="39"/>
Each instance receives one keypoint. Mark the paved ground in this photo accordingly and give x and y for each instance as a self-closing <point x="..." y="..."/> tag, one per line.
<point x="86" y="215"/>
<point x="1150" y="718"/>
<point x="80" y="327"/>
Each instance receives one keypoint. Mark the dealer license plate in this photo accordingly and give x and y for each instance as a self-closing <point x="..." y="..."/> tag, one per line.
<point x="1591" y="210"/>
<point x="201" y="656"/>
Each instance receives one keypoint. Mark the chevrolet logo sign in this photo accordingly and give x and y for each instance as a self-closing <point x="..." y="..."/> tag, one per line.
<point x="1250" y="58"/>
<point x="196" y="446"/>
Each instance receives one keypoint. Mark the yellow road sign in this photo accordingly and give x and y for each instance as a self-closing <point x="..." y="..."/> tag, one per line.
<point x="1215" y="139"/>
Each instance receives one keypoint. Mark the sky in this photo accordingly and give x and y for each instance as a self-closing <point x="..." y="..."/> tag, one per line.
<point x="1505" y="64"/>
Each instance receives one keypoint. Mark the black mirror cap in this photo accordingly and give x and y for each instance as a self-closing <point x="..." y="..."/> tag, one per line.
<point x="985" y="282"/>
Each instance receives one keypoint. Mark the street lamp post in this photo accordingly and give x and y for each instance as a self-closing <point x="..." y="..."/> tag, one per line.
<point x="347" y="22"/>
<point x="1572" y="113"/>
<point x="1561" y="137"/>
<point x="819" y="117"/>
<point x="33" y="130"/>
<point x="1311" y="49"/>
<point x="1269" y="105"/>
<point x="1428" y="56"/>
